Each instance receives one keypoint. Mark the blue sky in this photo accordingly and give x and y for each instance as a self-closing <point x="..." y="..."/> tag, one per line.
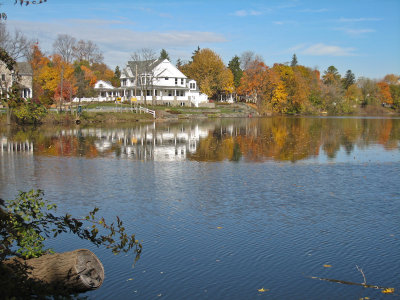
<point x="363" y="36"/>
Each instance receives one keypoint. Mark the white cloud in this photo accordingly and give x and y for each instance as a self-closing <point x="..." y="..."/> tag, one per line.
<point x="116" y="43"/>
<point x="353" y="20"/>
<point x="321" y="49"/>
<point x="352" y="31"/>
<point x="245" y="13"/>
<point x="309" y="10"/>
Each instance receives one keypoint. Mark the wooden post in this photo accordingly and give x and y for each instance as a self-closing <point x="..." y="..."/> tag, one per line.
<point x="76" y="271"/>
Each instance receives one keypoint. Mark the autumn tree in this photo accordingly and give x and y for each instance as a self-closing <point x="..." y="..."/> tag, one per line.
<point x="391" y="79"/>
<point x="395" y="92"/>
<point x="369" y="91"/>
<point x="384" y="95"/>
<point x="212" y="76"/>
<point x="253" y="82"/>
<point x="54" y="75"/>
<point x="331" y="75"/>
<point x="247" y="58"/>
<point x="234" y="66"/>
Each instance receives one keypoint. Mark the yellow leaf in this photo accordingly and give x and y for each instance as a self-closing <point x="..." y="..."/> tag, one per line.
<point x="262" y="290"/>
<point x="219" y="227"/>
<point x="388" y="291"/>
<point x="130" y="279"/>
<point x="327" y="266"/>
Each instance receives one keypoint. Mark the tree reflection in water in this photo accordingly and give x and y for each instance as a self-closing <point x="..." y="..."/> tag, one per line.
<point x="255" y="140"/>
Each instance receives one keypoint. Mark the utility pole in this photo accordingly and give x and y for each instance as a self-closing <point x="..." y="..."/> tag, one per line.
<point x="61" y="94"/>
<point x="136" y="81"/>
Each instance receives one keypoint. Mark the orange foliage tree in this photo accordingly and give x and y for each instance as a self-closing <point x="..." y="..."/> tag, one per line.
<point x="384" y="93"/>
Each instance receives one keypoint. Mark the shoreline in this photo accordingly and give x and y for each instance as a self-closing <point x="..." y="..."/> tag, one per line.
<point x="164" y="114"/>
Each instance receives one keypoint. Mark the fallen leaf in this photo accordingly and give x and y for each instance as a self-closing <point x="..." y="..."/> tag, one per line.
<point x="219" y="227"/>
<point x="327" y="266"/>
<point x="388" y="291"/>
<point x="129" y="279"/>
<point x="262" y="290"/>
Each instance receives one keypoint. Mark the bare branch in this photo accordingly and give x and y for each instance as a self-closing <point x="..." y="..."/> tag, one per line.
<point x="64" y="45"/>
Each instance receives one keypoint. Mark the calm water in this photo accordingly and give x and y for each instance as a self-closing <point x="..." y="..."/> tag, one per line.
<point x="227" y="207"/>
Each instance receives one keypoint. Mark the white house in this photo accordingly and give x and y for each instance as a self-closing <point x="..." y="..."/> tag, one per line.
<point x="155" y="81"/>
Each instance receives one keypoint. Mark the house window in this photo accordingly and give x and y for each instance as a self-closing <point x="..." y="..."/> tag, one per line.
<point x="3" y="77"/>
<point x="192" y="86"/>
<point x="123" y="82"/>
<point x="148" y="93"/>
<point x="169" y="93"/>
<point x="166" y="78"/>
<point x="182" y="81"/>
<point x="176" y="80"/>
<point x="155" y="93"/>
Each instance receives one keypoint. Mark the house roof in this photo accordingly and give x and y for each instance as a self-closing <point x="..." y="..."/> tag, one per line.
<point x="24" y="68"/>
<point x="161" y="68"/>
<point x="144" y="66"/>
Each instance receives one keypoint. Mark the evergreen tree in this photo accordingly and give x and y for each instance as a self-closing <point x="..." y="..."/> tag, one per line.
<point x="294" y="61"/>
<point x="164" y="55"/>
<point x="117" y="72"/>
<point x="234" y="66"/>
<point x="179" y="63"/>
<point x="195" y="52"/>
<point x="331" y="75"/>
<point x="115" y="81"/>
<point x="348" y="79"/>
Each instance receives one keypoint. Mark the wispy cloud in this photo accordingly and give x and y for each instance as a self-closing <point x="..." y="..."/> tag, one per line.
<point x="310" y="10"/>
<point x="112" y="40"/>
<point x="321" y="49"/>
<point x="283" y="22"/>
<point x="354" y="20"/>
<point x="245" y="13"/>
<point x="354" y="32"/>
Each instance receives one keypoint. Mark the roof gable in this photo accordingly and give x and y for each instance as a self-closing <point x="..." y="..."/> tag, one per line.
<point x="160" y="68"/>
<point x="103" y="84"/>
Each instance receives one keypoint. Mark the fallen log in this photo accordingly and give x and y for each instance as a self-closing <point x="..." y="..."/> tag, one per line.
<point x="75" y="271"/>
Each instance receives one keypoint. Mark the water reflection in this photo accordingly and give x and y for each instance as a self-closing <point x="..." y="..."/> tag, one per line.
<point x="255" y="140"/>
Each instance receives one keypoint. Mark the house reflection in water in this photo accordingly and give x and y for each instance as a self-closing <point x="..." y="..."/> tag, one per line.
<point x="147" y="142"/>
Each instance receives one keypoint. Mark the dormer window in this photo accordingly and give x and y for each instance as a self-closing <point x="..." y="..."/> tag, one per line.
<point x="166" y="78"/>
<point x="100" y="85"/>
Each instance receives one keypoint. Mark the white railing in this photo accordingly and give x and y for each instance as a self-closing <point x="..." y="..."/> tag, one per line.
<point x="147" y="111"/>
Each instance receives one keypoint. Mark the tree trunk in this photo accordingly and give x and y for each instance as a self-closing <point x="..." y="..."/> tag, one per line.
<point x="8" y="110"/>
<point x="76" y="271"/>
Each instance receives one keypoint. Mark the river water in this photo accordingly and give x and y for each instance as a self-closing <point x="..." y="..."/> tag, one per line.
<point x="227" y="207"/>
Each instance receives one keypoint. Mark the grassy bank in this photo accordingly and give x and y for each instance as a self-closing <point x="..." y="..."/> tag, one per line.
<point x="107" y="114"/>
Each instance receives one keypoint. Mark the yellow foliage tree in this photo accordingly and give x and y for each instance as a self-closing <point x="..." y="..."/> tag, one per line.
<point x="50" y="74"/>
<point x="212" y="76"/>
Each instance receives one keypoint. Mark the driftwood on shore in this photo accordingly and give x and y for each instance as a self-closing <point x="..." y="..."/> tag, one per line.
<point x="76" y="271"/>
